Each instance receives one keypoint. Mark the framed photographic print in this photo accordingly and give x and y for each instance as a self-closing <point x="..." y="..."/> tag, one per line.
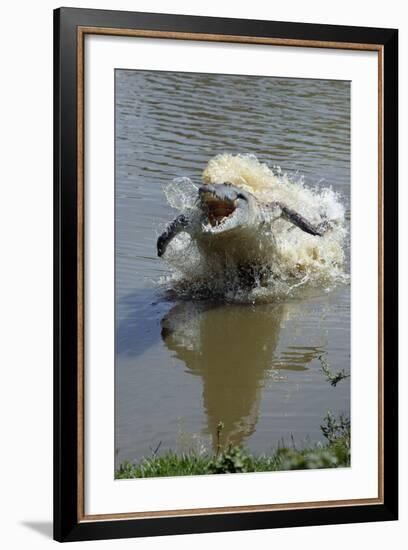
<point x="225" y="274"/>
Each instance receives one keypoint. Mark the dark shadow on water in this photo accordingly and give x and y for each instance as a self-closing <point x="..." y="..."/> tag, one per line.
<point x="44" y="528"/>
<point x="139" y="328"/>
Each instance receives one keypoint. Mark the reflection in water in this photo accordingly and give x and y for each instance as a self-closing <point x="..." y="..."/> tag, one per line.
<point x="233" y="349"/>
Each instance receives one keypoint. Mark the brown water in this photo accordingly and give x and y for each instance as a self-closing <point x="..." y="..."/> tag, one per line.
<point x="184" y="366"/>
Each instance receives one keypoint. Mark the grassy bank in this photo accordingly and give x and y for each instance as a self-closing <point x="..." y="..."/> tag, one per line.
<point x="333" y="454"/>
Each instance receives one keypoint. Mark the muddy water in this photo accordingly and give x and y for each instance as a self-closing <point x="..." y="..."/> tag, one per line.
<point x="184" y="366"/>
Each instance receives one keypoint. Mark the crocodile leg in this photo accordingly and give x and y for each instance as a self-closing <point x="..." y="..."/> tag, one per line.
<point x="301" y="222"/>
<point x="178" y="225"/>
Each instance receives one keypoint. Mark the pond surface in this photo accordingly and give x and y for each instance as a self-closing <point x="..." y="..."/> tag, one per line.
<point x="184" y="366"/>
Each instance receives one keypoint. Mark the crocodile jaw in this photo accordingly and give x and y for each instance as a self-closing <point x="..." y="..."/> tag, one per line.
<point x="224" y="208"/>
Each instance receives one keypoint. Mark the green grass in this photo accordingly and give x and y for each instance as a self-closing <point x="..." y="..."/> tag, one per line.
<point x="333" y="377"/>
<point x="333" y="454"/>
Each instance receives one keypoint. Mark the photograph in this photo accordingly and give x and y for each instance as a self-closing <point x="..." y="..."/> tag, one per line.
<point x="232" y="274"/>
<point x="225" y="274"/>
<point x="200" y="275"/>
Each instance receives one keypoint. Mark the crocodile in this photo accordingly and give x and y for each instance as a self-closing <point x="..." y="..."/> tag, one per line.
<point x="229" y="220"/>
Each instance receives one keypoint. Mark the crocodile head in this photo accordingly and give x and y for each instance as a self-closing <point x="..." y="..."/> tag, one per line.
<point x="225" y="208"/>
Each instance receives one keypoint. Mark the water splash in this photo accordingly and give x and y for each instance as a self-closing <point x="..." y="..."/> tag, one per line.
<point x="294" y="260"/>
<point x="181" y="193"/>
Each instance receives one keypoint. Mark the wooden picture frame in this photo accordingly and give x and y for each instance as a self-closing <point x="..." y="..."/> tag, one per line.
<point x="70" y="28"/>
